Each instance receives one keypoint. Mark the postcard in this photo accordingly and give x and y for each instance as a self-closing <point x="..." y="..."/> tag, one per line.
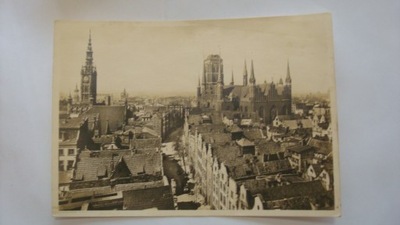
<point x="233" y="117"/>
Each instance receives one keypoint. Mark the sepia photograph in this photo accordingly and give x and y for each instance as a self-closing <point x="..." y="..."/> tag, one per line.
<point x="233" y="117"/>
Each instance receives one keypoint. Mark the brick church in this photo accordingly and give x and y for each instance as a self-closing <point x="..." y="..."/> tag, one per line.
<point x="259" y="102"/>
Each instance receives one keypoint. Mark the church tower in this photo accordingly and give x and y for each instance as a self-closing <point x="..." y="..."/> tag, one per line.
<point x="89" y="77"/>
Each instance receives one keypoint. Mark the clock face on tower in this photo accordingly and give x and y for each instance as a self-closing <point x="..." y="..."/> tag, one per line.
<point x="85" y="78"/>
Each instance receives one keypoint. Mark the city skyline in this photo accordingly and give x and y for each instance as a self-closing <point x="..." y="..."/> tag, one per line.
<point x="175" y="61"/>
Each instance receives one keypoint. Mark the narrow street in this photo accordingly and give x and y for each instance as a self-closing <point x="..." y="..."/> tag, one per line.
<point x="174" y="163"/>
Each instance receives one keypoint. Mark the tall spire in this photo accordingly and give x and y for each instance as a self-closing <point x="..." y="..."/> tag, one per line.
<point x="245" y="74"/>
<point x="90" y="41"/>
<point x="199" y="81"/>
<point x="89" y="52"/>
<point x="288" y="79"/>
<point x="252" y="78"/>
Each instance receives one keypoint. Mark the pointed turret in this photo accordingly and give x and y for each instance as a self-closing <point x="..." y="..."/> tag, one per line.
<point x="232" y="81"/>
<point x="288" y="79"/>
<point x="198" y="88"/>
<point x="280" y="81"/>
<point x="252" y="79"/>
<point x="245" y="74"/>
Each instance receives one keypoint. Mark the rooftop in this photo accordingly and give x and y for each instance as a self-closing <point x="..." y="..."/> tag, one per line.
<point x="160" y="198"/>
<point x="93" y="165"/>
<point x="322" y="147"/>
<point x="300" y="148"/>
<point x="301" y="189"/>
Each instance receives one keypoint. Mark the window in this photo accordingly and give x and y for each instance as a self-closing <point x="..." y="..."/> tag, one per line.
<point x="61" y="165"/>
<point x="60" y="152"/>
<point x="71" y="151"/>
<point x="70" y="164"/>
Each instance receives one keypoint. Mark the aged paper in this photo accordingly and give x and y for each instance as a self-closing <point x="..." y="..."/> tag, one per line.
<point x="195" y="118"/>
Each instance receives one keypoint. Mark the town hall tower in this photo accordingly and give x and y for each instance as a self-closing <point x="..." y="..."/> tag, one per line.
<point x="89" y="78"/>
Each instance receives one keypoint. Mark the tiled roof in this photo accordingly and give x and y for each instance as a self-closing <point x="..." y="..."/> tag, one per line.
<point x="300" y="148"/>
<point x="217" y="138"/>
<point x="235" y="129"/>
<point x="253" y="134"/>
<point x="268" y="147"/>
<point x="255" y="186"/>
<point x="323" y="147"/>
<point x="245" y="142"/>
<point x="148" y="163"/>
<point x="113" y="115"/>
<point x="277" y="166"/>
<point x="91" y="164"/>
<point x="317" y="168"/>
<point x="302" y="189"/>
<point x="104" y="139"/>
<point x="228" y="154"/>
<point x="209" y="128"/>
<point x="70" y="123"/>
<point x="297" y="203"/>
<point x="160" y="198"/>
<point x="324" y="125"/>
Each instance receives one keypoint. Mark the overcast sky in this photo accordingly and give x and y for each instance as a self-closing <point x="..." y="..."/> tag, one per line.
<point x="166" y="58"/>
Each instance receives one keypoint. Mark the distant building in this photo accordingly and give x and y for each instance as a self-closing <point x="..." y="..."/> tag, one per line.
<point x="249" y="100"/>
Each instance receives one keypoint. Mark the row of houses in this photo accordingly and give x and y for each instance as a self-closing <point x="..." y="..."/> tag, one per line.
<point x="238" y="167"/>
